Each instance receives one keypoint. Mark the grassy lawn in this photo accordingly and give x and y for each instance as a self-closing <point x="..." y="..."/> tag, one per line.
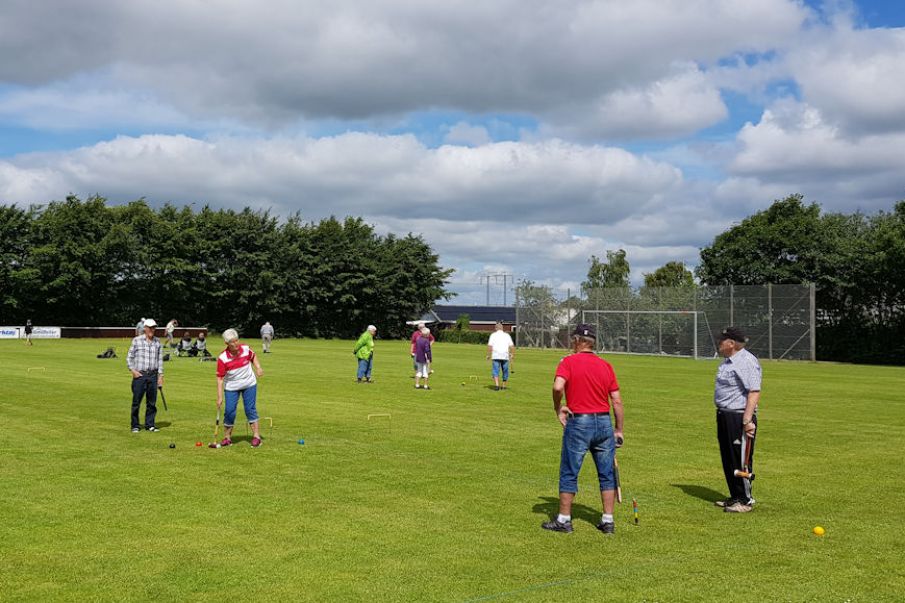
<point x="443" y="499"/>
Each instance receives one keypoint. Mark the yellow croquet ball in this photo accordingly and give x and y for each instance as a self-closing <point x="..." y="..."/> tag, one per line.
<point x="819" y="531"/>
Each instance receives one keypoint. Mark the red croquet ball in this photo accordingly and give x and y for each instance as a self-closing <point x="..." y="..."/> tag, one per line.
<point x="198" y="444"/>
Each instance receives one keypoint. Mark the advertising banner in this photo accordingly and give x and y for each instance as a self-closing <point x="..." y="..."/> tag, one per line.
<point x="46" y="332"/>
<point x="9" y="332"/>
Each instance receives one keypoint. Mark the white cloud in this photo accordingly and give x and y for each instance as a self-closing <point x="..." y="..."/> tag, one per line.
<point x="853" y="76"/>
<point x="679" y="104"/>
<point x="360" y="174"/>
<point x="794" y="147"/>
<point x="353" y="60"/>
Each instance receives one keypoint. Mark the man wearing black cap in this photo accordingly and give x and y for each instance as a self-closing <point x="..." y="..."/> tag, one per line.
<point x="736" y="395"/>
<point x="590" y="386"/>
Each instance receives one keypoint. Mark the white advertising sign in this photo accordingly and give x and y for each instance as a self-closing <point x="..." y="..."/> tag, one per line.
<point x="46" y="333"/>
<point x="9" y="332"/>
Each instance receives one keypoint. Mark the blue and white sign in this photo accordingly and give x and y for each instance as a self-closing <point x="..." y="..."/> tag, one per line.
<point x="9" y="332"/>
<point x="46" y="333"/>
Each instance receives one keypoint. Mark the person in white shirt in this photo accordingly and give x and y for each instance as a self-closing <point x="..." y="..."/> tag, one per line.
<point x="266" y="336"/>
<point x="500" y="351"/>
<point x="170" y="330"/>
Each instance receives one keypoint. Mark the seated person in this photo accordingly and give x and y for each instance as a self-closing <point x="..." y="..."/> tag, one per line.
<point x="200" y="346"/>
<point x="185" y="347"/>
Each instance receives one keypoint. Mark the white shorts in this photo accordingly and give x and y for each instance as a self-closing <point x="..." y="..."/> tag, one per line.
<point x="422" y="369"/>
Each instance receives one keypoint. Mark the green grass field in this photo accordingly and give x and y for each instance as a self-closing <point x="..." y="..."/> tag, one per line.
<point x="441" y="501"/>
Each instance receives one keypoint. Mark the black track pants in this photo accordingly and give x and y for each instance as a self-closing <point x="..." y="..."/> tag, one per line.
<point x="730" y="434"/>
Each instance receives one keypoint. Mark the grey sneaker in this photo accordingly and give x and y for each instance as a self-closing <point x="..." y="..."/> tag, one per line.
<point x="726" y="502"/>
<point x="152" y="428"/>
<point x="136" y="430"/>
<point x="607" y="528"/>
<point x="556" y="526"/>
<point x="737" y="507"/>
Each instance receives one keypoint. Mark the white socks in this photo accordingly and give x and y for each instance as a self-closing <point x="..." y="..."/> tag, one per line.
<point x="563" y="518"/>
<point x="606" y="518"/>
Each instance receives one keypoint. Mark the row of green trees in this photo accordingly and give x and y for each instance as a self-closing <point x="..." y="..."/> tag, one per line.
<point x="855" y="260"/>
<point x="86" y="263"/>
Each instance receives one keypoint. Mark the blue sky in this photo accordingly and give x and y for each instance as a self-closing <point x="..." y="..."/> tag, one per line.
<point x="517" y="137"/>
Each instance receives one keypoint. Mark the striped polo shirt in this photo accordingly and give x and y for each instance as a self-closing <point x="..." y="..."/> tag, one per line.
<point x="236" y="370"/>
<point x="736" y="377"/>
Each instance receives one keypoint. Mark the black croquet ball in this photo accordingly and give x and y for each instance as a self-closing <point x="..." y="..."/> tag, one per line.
<point x="172" y="445"/>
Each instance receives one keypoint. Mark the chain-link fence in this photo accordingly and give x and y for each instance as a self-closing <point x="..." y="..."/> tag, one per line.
<point x="685" y="321"/>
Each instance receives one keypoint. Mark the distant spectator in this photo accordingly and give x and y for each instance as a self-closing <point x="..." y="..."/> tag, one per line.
<point x="500" y="350"/>
<point x="139" y="327"/>
<point x="423" y="358"/>
<point x="145" y="361"/>
<point x="364" y="352"/>
<point x="266" y="337"/>
<point x="201" y="345"/>
<point x="171" y="329"/>
<point x="185" y="345"/>
<point x="28" y="330"/>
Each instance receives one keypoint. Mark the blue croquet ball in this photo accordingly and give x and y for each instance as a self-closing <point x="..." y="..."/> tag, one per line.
<point x="301" y="441"/>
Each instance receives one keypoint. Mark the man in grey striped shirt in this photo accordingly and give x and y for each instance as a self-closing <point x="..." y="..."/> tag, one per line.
<point x="145" y="361"/>
<point x="736" y="396"/>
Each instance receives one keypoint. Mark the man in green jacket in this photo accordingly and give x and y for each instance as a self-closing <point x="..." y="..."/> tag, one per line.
<point x="364" y="351"/>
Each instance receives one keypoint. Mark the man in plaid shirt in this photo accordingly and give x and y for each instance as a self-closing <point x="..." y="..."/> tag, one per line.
<point x="736" y="395"/>
<point x="145" y="361"/>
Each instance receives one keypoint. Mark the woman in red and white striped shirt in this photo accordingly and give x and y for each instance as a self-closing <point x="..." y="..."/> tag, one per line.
<point x="234" y="377"/>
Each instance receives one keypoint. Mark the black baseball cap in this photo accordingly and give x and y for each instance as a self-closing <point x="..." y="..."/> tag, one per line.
<point x="733" y="333"/>
<point x="585" y="330"/>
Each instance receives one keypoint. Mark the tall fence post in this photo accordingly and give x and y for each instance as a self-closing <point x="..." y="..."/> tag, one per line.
<point x="813" y="297"/>
<point x="770" y="318"/>
<point x="695" y="335"/>
<point x="628" y="322"/>
<point x="732" y="305"/>
<point x="518" y="326"/>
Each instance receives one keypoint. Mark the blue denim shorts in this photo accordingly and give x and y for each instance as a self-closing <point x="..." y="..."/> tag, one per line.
<point x="581" y="434"/>
<point x="499" y="365"/>
<point x="249" y="398"/>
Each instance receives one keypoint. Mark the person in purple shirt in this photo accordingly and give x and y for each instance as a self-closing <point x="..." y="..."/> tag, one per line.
<point x="423" y="358"/>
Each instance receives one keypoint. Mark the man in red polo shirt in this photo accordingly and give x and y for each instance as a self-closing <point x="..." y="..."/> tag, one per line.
<point x="590" y="388"/>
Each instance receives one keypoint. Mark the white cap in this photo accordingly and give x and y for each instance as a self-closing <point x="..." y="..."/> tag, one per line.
<point x="150" y="322"/>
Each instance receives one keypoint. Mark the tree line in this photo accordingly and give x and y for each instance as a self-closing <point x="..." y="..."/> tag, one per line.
<point x="855" y="261"/>
<point x="87" y="263"/>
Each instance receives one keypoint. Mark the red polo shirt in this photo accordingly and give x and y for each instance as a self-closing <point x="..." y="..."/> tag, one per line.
<point x="589" y="382"/>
